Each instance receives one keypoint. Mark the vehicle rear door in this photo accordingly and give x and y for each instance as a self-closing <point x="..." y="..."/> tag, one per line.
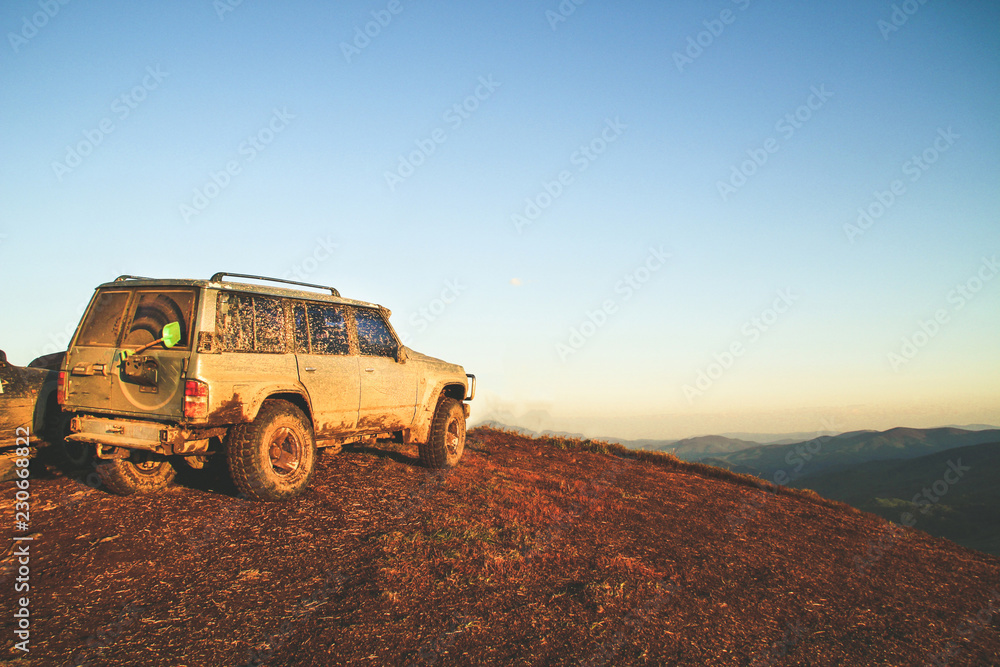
<point x="327" y="368"/>
<point x="150" y="382"/>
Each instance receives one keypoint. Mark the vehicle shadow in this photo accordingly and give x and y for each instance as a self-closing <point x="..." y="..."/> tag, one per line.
<point x="382" y="453"/>
<point x="212" y="478"/>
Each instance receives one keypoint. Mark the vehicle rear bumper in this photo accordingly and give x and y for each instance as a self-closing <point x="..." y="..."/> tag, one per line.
<point x="137" y="434"/>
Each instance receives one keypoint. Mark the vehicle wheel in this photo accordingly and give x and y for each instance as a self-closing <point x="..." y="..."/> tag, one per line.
<point x="77" y="455"/>
<point x="446" y="443"/>
<point x="140" y="473"/>
<point x="273" y="457"/>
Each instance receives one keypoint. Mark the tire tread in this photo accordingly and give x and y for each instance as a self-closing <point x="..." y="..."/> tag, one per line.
<point x="433" y="453"/>
<point x="120" y="477"/>
<point x="241" y="452"/>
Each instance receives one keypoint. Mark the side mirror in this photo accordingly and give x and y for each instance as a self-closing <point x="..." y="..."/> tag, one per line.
<point x="401" y="354"/>
<point x="171" y="334"/>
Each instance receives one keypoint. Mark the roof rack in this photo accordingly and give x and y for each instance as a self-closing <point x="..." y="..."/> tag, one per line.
<point x="128" y="277"/>
<point x="218" y="278"/>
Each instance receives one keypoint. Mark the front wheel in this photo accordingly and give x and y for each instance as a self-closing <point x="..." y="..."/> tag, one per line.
<point x="446" y="443"/>
<point x="140" y="473"/>
<point x="273" y="457"/>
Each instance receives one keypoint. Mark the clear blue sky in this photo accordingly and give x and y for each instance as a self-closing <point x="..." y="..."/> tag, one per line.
<point x="715" y="154"/>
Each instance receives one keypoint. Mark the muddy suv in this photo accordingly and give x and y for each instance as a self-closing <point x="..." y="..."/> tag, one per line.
<point x="167" y="371"/>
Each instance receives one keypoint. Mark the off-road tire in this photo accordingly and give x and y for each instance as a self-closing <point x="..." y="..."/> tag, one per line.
<point x="140" y="473"/>
<point x="273" y="457"/>
<point x="446" y="443"/>
<point x="76" y="455"/>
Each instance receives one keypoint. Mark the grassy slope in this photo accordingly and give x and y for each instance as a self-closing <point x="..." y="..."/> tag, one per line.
<point x="531" y="552"/>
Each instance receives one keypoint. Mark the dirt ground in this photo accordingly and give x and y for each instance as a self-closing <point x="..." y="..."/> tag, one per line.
<point x="531" y="552"/>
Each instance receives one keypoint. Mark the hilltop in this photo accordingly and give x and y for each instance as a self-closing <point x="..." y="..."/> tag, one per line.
<point x="533" y="551"/>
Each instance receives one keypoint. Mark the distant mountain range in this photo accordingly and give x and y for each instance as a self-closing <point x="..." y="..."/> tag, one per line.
<point x="784" y="463"/>
<point x="693" y="449"/>
<point x="763" y="454"/>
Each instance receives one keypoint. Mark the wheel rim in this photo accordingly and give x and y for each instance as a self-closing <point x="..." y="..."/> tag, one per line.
<point x="77" y="453"/>
<point x="453" y="439"/>
<point x="145" y="465"/>
<point x="285" y="451"/>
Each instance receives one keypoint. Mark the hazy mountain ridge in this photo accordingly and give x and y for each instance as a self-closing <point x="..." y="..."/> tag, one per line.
<point x="828" y="454"/>
<point x="694" y="449"/>
<point x="763" y="454"/>
<point x="690" y="449"/>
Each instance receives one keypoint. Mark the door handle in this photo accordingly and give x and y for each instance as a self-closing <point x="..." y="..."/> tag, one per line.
<point x="369" y="370"/>
<point x="310" y="369"/>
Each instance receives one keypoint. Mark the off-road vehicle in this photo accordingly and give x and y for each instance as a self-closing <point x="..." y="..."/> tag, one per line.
<point x="167" y="371"/>
<point x="29" y="414"/>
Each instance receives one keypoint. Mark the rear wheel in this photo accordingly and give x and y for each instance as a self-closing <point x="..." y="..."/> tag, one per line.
<point x="77" y="455"/>
<point x="273" y="457"/>
<point x="446" y="443"/>
<point x="142" y="472"/>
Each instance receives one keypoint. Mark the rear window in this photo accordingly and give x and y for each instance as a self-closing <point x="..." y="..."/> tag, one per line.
<point x="153" y="310"/>
<point x="104" y="319"/>
<point x="132" y="318"/>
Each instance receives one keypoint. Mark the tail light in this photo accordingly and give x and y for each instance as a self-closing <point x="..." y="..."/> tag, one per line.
<point x="195" y="399"/>
<point x="61" y="388"/>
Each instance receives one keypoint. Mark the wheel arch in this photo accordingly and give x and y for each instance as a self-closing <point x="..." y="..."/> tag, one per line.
<point x="421" y="428"/>
<point x="454" y="390"/>
<point x="295" y="398"/>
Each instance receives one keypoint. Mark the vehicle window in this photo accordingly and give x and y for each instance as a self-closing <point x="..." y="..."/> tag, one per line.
<point x="300" y="328"/>
<point x="104" y="321"/>
<point x="374" y="336"/>
<point x="252" y="323"/>
<point x="237" y="315"/>
<point x="152" y="310"/>
<point x="328" y="329"/>
<point x="269" y="324"/>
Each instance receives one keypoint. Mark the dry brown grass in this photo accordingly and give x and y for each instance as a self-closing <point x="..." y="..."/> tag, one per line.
<point x="533" y="551"/>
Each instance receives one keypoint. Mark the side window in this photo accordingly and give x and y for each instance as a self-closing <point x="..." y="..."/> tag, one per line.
<point x="154" y="310"/>
<point x="268" y="324"/>
<point x="300" y="327"/>
<point x="252" y="323"/>
<point x="236" y="311"/>
<point x="328" y="329"/>
<point x="104" y="321"/>
<point x="374" y="336"/>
